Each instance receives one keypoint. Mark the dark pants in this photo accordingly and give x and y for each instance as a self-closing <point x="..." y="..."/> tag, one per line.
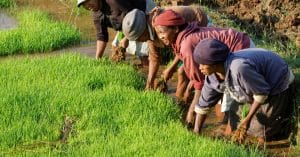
<point x="276" y="119"/>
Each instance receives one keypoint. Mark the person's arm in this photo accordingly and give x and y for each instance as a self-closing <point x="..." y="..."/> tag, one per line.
<point x="101" y="24"/>
<point x="101" y="45"/>
<point x="190" y="114"/>
<point x="245" y="122"/>
<point x="124" y="43"/>
<point x="254" y="82"/>
<point x="154" y="61"/>
<point x="208" y="98"/>
<point x="199" y="121"/>
<point x="191" y="68"/>
<point x="187" y="94"/>
<point x="240" y="133"/>
<point x="169" y="71"/>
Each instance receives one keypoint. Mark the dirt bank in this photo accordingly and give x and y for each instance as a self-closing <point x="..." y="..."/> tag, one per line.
<point x="278" y="19"/>
<point x="281" y="16"/>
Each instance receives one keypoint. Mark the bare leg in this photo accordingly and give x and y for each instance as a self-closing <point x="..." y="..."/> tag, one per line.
<point x="199" y="121"/>
<point x="181" y="84"/>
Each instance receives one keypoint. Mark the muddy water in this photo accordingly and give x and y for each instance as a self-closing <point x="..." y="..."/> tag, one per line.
<point x="6" y="21"/>
<point x="67" y="11"/>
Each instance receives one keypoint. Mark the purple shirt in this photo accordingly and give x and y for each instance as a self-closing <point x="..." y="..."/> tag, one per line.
<point x="249" y="72"/>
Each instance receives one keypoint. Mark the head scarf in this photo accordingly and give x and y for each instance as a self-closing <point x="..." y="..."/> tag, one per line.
<point x="168" y="18"/>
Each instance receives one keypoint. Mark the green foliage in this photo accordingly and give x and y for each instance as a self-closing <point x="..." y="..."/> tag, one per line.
<point x="7" y="3"/>
<point x="245" y="110"/>
<point x="37" y="33"/>
<point x="113" y="115"/>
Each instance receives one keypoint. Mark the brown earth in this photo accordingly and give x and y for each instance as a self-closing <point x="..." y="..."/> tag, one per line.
<point x="278" y="19"/>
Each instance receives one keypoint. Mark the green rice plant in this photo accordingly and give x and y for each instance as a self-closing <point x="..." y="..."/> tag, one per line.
<point x="245" y="110"/>
<point x="112" y="114"/>
<point x="37" y="33"/>
<point x="7" y="3"/>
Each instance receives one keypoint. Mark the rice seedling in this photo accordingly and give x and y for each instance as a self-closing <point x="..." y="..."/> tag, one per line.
<point x="108" y="112"/>
<point x="37" y="33"/>
<point x="7" y="3"/>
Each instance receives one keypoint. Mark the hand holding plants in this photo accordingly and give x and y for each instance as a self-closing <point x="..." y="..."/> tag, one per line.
<point x="240" y="134"/>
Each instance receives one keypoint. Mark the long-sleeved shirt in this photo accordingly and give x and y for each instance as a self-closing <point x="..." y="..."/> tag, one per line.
<point x="189" y="13"/>
<point x="188" y="39"/>
<point x="111" y="14"/>
<point x="249" y="72"/>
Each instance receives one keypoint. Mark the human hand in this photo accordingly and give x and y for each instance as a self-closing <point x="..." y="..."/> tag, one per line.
<point x="149" y="86"/>
<point x="240" y="134"/>
<point x="124" y="43"/>
<point x="166" y="74"/>
<point x="188" y="95"/>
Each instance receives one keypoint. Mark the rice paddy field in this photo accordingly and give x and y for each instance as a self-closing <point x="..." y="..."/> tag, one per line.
<point x="37" y="32"/>
<point x="72" y="105"/>
<point x="101" y="104"/>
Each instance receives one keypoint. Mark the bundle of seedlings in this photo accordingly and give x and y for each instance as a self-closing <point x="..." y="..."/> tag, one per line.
<point x="161" y="85"/>
<point x="118" y="54"/>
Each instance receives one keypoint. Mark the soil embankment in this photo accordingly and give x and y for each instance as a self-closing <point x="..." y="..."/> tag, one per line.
<point x="279" y="20"/>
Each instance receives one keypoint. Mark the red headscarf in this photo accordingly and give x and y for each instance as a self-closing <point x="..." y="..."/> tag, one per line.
<point x="168" y="18"/>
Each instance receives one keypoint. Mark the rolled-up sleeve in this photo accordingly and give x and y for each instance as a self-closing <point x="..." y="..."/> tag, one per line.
<point x="209" y="96"/>
<point x="101" y="23"/>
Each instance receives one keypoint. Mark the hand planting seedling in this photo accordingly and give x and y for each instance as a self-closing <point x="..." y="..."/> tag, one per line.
<point x="161" y="85"/>
<point x="118" y="54"/>
<point x="240" y="134"/>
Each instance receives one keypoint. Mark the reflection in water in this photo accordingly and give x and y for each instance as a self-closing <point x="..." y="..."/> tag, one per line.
<point x="6" y="22"/>
<point x="67" y="11"/>
<point x="64" y="10"/>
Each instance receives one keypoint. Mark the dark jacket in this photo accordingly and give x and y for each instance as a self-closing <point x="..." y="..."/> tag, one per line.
<point x="111" y="14"/>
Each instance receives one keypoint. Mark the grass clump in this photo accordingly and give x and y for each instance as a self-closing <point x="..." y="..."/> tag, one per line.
<point x="113" y="115"/>
<point x="7" y="3"/>
<point x="37" y="33"/>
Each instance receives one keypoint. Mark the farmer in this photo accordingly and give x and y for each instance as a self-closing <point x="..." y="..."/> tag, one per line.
<point x="110" y="13"/>
<point x="173" y="31"/>
<point x="137" y="26"/>
<point x="255" y="76"/>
